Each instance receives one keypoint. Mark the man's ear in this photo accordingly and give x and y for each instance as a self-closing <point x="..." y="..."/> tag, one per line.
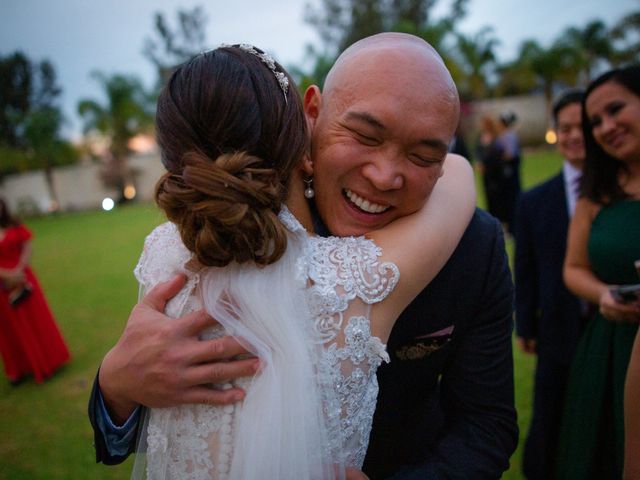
<point x="312" y="102"/>
<point x="307" y="165"/>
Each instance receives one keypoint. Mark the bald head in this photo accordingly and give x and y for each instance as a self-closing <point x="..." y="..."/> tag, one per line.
<point x="398" y="57"/>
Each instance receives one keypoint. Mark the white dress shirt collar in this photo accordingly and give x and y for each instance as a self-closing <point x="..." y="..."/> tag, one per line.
<point x="571" y="177"/>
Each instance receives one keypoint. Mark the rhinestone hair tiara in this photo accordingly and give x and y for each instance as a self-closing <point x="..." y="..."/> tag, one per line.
<point x="268" y="60"/>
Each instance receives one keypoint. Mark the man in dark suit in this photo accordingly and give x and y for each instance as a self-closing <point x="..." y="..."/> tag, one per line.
<point x="446" y="400"/>
<point x="549" y="319"/>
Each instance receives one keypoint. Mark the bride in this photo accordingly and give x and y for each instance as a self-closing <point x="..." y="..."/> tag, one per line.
<point x="315" y="311"/>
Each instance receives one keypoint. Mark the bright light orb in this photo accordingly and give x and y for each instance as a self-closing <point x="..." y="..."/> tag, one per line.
<point x="108" y="204"/>
<point x="551" y="137"/>
<point x="129" y="192"/>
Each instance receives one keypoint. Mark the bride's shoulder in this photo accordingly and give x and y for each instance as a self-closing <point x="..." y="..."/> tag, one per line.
<point x="165" y="240"/>
<point x="163" y="255"/>
<point x="350" y="248"/>
<point x="354" y="263"/>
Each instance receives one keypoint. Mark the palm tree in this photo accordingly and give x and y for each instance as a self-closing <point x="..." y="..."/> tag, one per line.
<point x="626" y="39"/>
<point x="537" y="68"/>
<point x="476" y="55"/>
<point x="591" y="44"/>
<point x="127" y="113"/>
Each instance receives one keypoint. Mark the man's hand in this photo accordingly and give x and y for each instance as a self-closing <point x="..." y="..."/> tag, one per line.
<point x="160" y="362"/>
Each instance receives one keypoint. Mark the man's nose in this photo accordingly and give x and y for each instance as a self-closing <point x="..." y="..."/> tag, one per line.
<point x="384" y="173"/>
<point x="576" y="133"/>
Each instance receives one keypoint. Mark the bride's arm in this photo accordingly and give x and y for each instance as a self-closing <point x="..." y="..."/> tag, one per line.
<point x="420" y="244"/>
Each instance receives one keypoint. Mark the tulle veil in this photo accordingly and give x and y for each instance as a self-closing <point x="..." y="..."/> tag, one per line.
<point x="281" y="431"/>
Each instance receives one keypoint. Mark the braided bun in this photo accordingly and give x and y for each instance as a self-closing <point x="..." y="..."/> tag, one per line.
<point x="226" y="209"/>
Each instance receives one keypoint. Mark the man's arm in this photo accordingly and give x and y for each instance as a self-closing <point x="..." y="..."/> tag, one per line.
<point x="160" y="362"/>
<point x="477" y="394"/>
<point x="113" y="444"/>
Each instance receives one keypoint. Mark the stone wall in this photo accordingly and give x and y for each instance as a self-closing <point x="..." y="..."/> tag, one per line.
<point x="78" y="187"/>
<point x="531" y="110"/>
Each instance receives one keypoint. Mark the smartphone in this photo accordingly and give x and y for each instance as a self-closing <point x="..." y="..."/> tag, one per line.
<point x="626" y="293"/>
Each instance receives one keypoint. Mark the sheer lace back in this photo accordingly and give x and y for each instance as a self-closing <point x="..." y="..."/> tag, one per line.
<point x="333" y="283"/>
<point x="345" y="280"/>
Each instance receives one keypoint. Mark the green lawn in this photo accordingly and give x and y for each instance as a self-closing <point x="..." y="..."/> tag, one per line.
<point x="85" y="262"/>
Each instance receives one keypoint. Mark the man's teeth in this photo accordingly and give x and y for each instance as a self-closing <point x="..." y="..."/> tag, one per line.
<point x="365" y="205"/>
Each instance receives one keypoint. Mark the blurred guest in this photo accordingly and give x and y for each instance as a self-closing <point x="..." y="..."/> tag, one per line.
<point x="30" y="342"/>
<point x="549" y="319"/>
<point x="604" y="242"/>
<point x="632" y="415"/>
<point x="489" y="154"/>
<point x="510" y="178"/>
<point x="458" y="144"/>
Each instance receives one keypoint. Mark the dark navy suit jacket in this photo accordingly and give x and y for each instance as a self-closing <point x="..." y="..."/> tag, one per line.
<point x="446" y="403"/>
<point x="545" y="309"/>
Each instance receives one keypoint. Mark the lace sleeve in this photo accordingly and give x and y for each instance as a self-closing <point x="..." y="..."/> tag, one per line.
<point x="163" y="256"/>
<point x="346" y="279"/>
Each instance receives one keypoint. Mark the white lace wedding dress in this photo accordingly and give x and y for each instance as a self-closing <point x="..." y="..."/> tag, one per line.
<point x="308" y="413"/>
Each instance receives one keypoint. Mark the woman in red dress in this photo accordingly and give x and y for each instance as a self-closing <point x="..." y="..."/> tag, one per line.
<point x="30" y="342"/>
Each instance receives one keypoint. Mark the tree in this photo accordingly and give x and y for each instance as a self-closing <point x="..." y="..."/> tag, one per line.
<point x="31" y="120"/>
<point x="127" y="113"/>
<point x="15" y="96"/>
<point x="538" y="68"/>
<point x="626" y="39"/>
<point x="171" y="47"/>
<point x="476" y="58"/>
<point x="340" y="23"/>
<point x="591" y="46"/>
<point x="46" y="148"/>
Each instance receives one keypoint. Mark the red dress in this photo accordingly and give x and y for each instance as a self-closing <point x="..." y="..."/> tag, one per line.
<point x="30" y="342"/>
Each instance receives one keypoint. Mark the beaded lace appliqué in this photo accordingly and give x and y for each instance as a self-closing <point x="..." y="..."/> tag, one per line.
<point x="342" y="269"/>
<point x="346" y="278"/>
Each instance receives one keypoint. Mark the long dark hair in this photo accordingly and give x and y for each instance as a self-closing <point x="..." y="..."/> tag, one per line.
<point x="601" y="170"/>
<point x="230" y="138"/>
<point x="6" y="219"/>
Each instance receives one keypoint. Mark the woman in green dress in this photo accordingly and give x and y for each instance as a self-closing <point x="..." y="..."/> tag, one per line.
<point x="604" y="242"/>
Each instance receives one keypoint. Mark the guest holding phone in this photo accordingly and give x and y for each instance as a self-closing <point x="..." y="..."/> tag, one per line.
<point x="603" y="243"/>
<point x="30" y="342"/>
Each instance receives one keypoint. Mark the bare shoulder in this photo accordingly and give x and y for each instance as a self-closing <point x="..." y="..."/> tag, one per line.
<point x="457" y="162"/>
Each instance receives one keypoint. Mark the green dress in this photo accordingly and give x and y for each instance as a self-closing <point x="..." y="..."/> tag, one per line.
<point x="592" y="434"/>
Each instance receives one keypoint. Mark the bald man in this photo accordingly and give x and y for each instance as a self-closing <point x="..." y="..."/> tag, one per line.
<point x="380" y="131"/>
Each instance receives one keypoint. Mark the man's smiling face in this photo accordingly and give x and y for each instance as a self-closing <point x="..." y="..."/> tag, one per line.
<point x="380" y="133"/>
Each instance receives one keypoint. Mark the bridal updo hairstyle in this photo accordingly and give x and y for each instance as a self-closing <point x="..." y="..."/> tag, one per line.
<point x="229" y="141"/>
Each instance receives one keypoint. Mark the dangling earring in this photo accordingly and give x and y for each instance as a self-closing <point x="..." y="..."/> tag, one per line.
<point x="309" y="192"/>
